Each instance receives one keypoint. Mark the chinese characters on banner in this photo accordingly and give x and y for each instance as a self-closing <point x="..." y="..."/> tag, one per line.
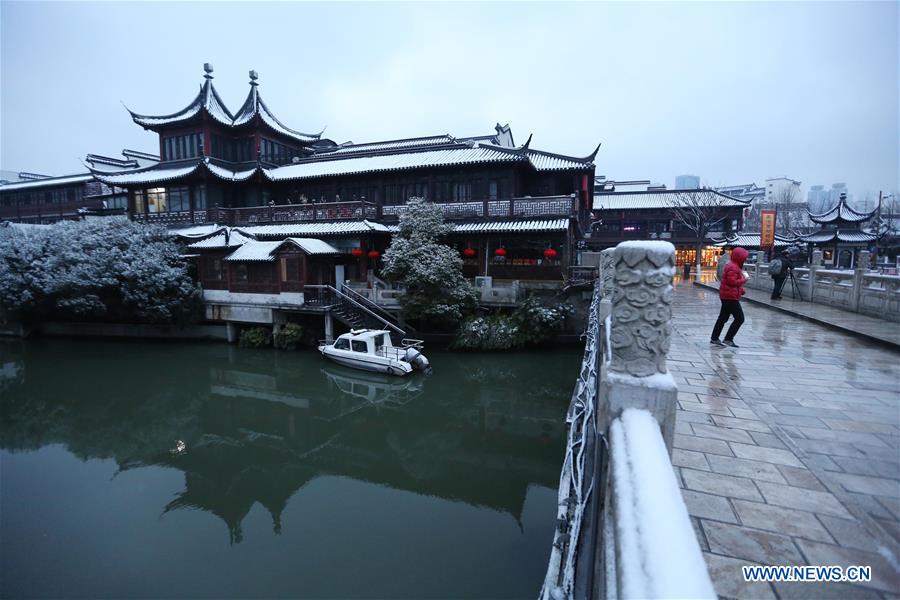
<point x="767" y="230"/>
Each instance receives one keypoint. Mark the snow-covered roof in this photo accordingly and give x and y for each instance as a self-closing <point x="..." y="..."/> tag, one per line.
<point x="153" y="174"/>
<point x="749" y="240"/>
<point x="325" y="166"/>
<point x="392" y="144"/>
<point x="254" y="106"/>
<point x="195" y="231"/>
<point x="315" y="229"/>
<point x="841" y="212"/>
<point x="226" y="237"/>
<point x="545" y="161"/>
<point x="229" y="174"/>
<point x="312" y="246"/>
<point x="513" y="226"/>
<point x="660" y="199"/>
<point x="849" y="236"/>
<point x="254" y="251"/>
<point x="46" y="182"/>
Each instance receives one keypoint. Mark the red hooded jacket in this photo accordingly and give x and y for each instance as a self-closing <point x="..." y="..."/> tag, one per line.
<point x="733" y="280"/>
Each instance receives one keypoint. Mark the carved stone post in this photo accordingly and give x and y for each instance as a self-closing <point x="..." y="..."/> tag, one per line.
<point x="813" y="268"/>
<point x="862" y="265"/>
<point x="637" y="376"/>
<point x="607" y="270"/>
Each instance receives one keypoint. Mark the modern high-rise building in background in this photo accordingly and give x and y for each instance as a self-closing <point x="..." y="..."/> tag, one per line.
<point x="818" y="199"/>
<point x="687" y="182"/>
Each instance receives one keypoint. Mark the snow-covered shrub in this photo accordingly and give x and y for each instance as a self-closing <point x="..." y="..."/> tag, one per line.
<point x="487" y="333"/>
<point x="531" y="323"/>
<point x="288" y="337"/>
<point x="537" y="323"/>
<point x="106" y="269"/>
<point x="255" y="337"/>
<point x="436" y="292"/>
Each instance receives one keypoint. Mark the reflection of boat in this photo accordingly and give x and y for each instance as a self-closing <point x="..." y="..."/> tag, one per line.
<point x="373" y="388"/>
<point x="373" y="350"/>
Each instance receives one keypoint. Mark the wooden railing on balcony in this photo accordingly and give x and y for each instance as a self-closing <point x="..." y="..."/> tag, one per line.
<point x="538" y="206"/>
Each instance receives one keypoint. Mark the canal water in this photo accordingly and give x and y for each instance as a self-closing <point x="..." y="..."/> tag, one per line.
<point x="204" y="470"/>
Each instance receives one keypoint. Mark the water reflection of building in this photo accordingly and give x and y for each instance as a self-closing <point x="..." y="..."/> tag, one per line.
<point x="259" y="431"/>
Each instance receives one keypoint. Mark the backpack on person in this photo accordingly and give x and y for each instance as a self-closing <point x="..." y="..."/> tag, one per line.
<point x="776" y="268"/>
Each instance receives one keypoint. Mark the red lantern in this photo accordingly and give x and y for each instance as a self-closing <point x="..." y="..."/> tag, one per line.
<point x="373" y="254"/>
<point x="500" y="252"/>
<point x="357" y="252"/>
<point x="550" y="253"/>
<point x="469" y="252"/>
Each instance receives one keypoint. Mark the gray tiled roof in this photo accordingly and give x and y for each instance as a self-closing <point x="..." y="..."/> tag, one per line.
<point x="662" y="199"/>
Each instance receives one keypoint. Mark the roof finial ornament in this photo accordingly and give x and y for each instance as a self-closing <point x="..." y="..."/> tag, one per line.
<point x="253" y="77"/>
<point x="207" y="69"/>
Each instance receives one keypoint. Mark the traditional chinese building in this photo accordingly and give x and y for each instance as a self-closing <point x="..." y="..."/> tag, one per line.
<point x="649" y="215"/>
<point x="841" y="236"/>
<point x="516" y="210"/>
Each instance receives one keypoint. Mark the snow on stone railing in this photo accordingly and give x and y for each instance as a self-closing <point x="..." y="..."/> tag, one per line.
<point x="603" y="540"/>
<point x="651" y="549"/>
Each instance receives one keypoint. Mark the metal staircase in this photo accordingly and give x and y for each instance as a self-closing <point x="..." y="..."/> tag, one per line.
<point x="355" y="310"/>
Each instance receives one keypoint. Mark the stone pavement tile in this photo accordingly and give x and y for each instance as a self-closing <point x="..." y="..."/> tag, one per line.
<point x="699" y="444"/>
<point x="722" y="400"/>
<point x="722" y="485"/>
<point x="728" y="579"/>
<point x="892" y="527"/>
<point x="705" y="408"/>
<point x="872" y="505"/>
<point x="781" y="520"/>
<point x="791" y="590"/>
<point x="829" y="448"/>
<point x="772" y="455"/>
<point x="721" y="433"/>
<point x="863" y="484"/>
<point x="797" y="420"/>
<point x="884" y="576"/>
<point x="698" y="533"/>
<point x="877" y="453"/>
<point x="891" y="440"/>
<point x="683" y="427"/>
<point x="869" y="466"/>
<point x="802" y="499"/>
<point x="861" y="426"/>
<point x="751" y="544"/>
<point x="689" y="459"/>
<point x="740" y="467"/>
<point x="892" y="504"/>
<point x="708" y="506"/>
<point x="849" y="533"/>
<point x="802" y="478"/>
<point x="811" y="411"/>
<point x="844" y="437"/>
<point x="692" y="417"/>
<point x="744" y="413"/>
<point x="745" y="424"/>
<point x="821" y="461"/>
<point x="767" y="440"/>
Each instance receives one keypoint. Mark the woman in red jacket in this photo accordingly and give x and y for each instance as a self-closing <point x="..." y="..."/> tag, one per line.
<point x="731" y="288"/>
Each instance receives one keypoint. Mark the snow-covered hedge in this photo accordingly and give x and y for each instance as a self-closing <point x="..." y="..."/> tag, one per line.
<point x="106" y="269"/>
<point x="531" y="323"/>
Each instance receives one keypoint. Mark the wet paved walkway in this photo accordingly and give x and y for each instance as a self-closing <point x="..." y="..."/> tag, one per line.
<point x="831" y="316"/>
<point x="787" y="448"/>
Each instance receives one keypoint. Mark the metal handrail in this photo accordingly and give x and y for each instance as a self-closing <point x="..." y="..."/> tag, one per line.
<point x="347" y="298"/>
<point x="354" y="294"/>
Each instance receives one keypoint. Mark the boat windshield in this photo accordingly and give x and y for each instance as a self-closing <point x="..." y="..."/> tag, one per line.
<point x="379" y="342"/>
<point x="342" y="344"/>
<point x="360" y="346"/>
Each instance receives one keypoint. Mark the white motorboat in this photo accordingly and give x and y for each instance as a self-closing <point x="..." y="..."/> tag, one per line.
<point x="373" y="350"/>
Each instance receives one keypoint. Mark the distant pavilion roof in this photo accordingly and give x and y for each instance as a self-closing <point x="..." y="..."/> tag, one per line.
<point x="661" y="199"/>
<point x="841" y="213"/>
<point x="209" y="102"/>
<point x="851" y="236"/>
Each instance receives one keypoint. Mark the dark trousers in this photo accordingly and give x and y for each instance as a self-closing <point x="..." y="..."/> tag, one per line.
<point x="779" y="284"/>
<point x="730" y="308"/>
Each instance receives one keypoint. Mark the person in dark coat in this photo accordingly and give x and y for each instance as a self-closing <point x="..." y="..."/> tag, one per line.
<point x="731" y="288"/>
<point x="786" y="268"/>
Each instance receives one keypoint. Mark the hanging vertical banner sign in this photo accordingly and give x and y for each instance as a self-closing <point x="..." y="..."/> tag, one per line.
<point x="767" y="229"/>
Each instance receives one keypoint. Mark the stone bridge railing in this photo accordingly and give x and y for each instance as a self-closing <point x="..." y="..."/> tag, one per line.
<point x="858" y="290"/>
<point x="623" y="530"/>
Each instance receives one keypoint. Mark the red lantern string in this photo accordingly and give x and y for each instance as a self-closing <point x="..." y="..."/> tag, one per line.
<point x="469" y="252"/>
<point x="550" y="253"/>
<point x="374" y="254"/>
<point x="357" y="252"/>
<point x="500" y="252"/>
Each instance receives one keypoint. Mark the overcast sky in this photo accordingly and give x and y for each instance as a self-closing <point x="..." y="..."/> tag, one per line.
<point x="731" y="92"/>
